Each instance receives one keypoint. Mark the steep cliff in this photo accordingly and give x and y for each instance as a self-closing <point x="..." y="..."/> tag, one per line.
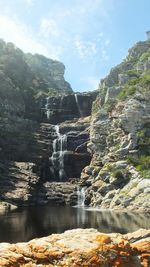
<point x="25" y="77"/>
<point x="44" y="138"/>
<point x="37" y="153"/>
<point x="118" y="176"/>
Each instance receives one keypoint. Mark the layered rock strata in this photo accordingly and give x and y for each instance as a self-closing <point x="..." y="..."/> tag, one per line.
<point x="80" y="247"/>
<point x="34" y="94"/>
<point x="35" y="179"/>
<point x="118" y="176"/>
<point x="57" y="109"/>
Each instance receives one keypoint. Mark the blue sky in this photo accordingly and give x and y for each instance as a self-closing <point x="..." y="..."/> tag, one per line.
<point x="88" y="36"/>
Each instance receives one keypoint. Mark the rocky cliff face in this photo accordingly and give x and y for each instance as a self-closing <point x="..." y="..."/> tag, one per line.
<point x="25" y="78"/>
<point x="80" y="247"/>
<point x="36" y="154"/>
<point x="35" y="161"/>
<point x="48" y="73"/>
<point x="118" y="176"/>
<point x="44" y="139"/>
<point x="37" y="158"/>
<point x="60" y="108"/>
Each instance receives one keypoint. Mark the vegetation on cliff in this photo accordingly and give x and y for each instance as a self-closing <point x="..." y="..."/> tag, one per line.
<point x="120" y="136"/>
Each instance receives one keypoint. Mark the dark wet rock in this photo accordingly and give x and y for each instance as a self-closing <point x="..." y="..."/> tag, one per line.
<point x="67" y="107"/>
<point x="75" y="162"/>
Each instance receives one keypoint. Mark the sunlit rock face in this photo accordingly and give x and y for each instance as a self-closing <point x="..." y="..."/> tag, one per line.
<point x="25" y="78"/>
<point x="118" y="175"/>
<point x="80" y="247"/>
<point x="50" y="72"/>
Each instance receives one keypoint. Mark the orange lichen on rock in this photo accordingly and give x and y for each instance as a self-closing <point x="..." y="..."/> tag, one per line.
<point x="142" y="246"/>
<point x="104" y="239"/>
<point x="143" y="250"/>
<point x="76" y="248"/>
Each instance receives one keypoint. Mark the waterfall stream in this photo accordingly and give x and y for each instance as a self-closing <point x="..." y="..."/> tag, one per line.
<point x="78" y="106"/>
<point x="48" y="112"/>
<point x="59" y="149"/>
<point x="81" y="196"/>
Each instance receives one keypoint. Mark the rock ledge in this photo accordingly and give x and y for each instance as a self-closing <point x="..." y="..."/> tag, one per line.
<point x="80" y="247"/>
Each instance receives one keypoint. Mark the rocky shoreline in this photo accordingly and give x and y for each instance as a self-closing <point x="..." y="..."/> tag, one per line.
<point x="80" y="247"/>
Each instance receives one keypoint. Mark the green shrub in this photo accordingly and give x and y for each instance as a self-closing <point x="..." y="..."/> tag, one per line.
<point x="131" y="85"/>
<point x="96" y="106"/>
<point x="142" y="164"/>
<point x="50" y="92"/>
<point x="143" y="138"/>
<point x="110" y="105"/>
<point x="132" y="73"/>
<point x="145" y="79"/>
<point x="117" y="174"/>
<point x="127" y="91"/>
<point x="145" y="56"/>
<point x="133" y="81"/>
<point x="145" y="174"/>
<point x="141" y="134"/>
<point x="40" y="94"/>
<point x="133" y="160"/>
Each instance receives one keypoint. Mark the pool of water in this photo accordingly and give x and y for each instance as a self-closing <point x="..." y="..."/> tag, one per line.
<point x="27" y="223"/>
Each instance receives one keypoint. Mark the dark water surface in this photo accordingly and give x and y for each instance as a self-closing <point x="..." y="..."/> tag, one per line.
<point x="27" y="223"/>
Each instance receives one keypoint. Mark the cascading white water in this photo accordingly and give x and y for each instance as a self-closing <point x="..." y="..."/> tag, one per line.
<point x="59" y="149"/>
<point x="81" y="196"/>
<point x="78" y="106"/>
<point x="48" y="113"/>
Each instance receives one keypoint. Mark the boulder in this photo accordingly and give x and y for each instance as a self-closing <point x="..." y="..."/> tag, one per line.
<point x="80" y="247"/>
<point x="5" y="206"/>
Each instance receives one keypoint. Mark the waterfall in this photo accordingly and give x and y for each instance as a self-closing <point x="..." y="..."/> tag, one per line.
<point x="78" y="106"/>
<point x="81" y="196"/>
<point x="59" y="149"/>
<point x="48" y="112"/>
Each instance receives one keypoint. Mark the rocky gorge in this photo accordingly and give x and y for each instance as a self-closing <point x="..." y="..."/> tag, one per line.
<point x="44" y="130"/>
<point x="53" y="139"/>
<point x="44" y="163"/>
<point x="56" y="144"/>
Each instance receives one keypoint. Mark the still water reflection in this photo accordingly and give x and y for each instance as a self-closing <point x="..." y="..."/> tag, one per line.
<point x="28" y="223"/>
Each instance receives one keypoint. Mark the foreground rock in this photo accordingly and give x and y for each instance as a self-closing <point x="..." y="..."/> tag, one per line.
<point x="80" y="247"/>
